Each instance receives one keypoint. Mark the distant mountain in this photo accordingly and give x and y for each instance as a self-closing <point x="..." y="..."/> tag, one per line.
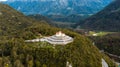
<point x="106" y="20"/>
<point x="15" y="52"/>
<point x="63" y="9"/>
<point x="58" y="7"/>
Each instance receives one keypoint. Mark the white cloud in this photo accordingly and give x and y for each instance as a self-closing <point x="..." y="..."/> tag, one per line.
<point x="3" y="0"/>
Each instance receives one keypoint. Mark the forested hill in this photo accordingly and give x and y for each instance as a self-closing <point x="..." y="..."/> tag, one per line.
<point x="12" y="20"/>
<point x="15" y="28"/>
<point x="110" y="44"/>
<point x="106" y="20"/>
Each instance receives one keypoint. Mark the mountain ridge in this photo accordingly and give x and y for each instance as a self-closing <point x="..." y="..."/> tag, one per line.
<point x="105" y="20"/>
<point x="57" y="6"/>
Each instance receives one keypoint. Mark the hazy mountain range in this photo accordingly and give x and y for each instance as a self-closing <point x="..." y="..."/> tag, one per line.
<point x="58" y="7"/>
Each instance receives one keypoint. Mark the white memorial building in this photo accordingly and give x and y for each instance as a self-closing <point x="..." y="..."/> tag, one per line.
<point x="59" y="38"/>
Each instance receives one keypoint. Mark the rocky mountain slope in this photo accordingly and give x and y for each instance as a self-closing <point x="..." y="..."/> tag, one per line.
<point x="60" y="10"/>
<point x="58" y="7"/>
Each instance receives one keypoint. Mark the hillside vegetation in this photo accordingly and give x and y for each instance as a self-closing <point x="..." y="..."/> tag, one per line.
<point x="109" y="43"/>
<point x="14" y="52"/>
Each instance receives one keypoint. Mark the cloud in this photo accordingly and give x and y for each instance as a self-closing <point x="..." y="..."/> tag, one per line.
<point x="3" y="0"/>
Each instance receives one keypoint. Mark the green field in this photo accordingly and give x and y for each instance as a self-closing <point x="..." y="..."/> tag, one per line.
<point x="100" y="33"/>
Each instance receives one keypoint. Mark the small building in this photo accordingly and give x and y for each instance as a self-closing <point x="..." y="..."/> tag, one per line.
<point x="94" y="34"/>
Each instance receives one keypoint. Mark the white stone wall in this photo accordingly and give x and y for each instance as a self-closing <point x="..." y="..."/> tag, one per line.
<point x="104" y="64"/>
